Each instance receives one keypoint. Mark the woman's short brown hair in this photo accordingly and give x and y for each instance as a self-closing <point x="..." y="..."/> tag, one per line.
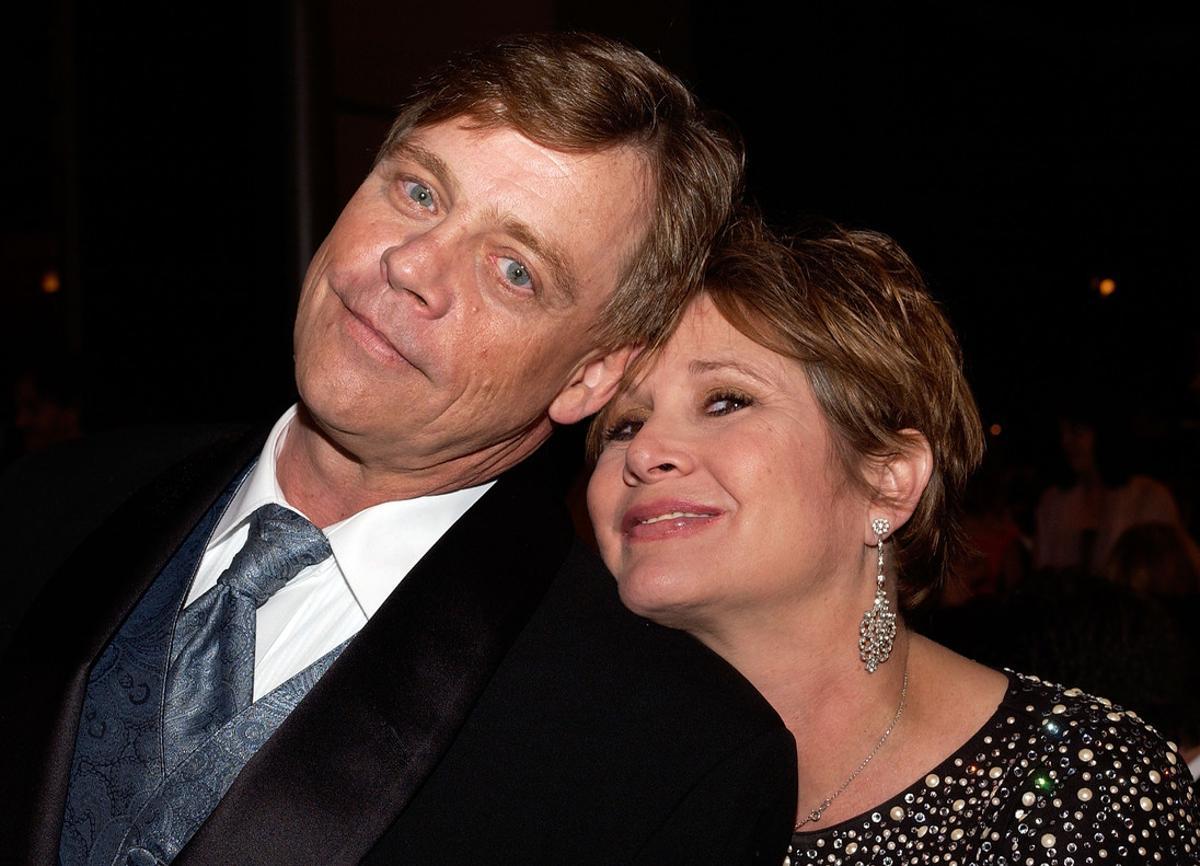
<point x="582" y="92"/>
<point x="881" y="358"/>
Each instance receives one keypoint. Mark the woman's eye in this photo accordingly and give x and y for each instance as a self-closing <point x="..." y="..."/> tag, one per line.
<point x="622" y="430"/>
<point x="724" y="403"/>
<point x="419" y="193"/>
<point x="515" y="272"/>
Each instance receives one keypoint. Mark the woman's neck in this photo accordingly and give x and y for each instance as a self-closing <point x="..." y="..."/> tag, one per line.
<point x="810" y="672"/>
<point x="807" y="666"/>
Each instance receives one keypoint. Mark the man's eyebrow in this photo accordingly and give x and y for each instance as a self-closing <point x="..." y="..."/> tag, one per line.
<point x="697" y="368"/>
<point x="560" y="271"/>
<point x="428" y="160"/>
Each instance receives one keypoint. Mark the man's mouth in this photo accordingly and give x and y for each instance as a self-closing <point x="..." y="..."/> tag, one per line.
<point x="374" y="340"/>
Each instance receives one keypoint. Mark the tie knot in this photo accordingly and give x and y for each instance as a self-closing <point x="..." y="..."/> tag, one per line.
<point x="280" y="544"/>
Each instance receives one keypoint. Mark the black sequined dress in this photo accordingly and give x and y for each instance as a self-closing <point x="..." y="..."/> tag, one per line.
<point x="1055" y="777"/>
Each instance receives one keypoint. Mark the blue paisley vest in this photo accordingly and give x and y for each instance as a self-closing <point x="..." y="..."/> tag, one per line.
<point x="126" y="804"/>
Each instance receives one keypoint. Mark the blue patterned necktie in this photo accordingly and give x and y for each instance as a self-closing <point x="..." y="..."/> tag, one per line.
<point x="212" y="673"/>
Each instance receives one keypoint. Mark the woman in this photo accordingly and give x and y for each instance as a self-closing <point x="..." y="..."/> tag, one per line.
<point x="781" y="479"/>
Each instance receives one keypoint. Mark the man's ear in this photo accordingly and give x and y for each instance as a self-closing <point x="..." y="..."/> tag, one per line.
<point x="900" y="480"/>
<point x="591" y="385"/>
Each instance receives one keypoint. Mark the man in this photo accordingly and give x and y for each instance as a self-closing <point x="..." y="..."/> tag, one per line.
<point x="448" y="677"/>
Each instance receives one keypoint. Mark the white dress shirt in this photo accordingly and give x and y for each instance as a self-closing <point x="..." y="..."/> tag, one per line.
<point x="329" y="602"/>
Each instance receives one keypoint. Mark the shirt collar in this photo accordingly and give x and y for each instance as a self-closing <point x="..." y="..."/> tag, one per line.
<point x="379" y="545"/>
<point x="261" y="486"/>
<point x="374" y="548"/>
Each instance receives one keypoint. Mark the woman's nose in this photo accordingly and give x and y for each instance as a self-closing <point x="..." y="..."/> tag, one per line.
<point x="655" y="455"/>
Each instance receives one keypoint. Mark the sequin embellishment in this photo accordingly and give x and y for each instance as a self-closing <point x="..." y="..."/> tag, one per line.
<point x="1055" y="777"/>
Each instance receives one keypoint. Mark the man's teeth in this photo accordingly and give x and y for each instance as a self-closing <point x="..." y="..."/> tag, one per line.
<point x="672" y="516"/>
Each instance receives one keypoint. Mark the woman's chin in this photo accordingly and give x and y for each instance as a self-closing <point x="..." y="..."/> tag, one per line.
<point x="666" y="598"/>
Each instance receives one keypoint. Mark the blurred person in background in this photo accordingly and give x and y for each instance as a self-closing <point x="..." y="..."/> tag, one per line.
<point x="1155" y="561"/>
<point x="46" y="408"/>
<point x="995" y="557"/>
<point x="1080" y="519"/>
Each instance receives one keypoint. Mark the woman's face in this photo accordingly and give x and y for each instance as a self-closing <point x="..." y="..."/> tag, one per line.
<point x="718" y="494"/>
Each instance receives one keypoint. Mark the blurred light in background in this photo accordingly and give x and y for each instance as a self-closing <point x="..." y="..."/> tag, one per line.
<point x="50" y="282"/>
<point x="995" y="429"/>
<point x="1107" y="286"/>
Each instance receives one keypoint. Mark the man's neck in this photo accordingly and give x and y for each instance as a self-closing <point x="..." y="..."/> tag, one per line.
<point x="330" y="483"/>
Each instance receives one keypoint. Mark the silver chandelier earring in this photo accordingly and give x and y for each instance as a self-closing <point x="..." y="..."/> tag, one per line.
<point x="877" y="632"/>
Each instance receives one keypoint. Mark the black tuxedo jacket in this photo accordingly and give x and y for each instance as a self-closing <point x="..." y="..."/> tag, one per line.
<point x="501" y="707"/>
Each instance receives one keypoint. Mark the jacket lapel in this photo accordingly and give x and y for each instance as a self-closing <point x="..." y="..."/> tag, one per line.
<point x="349" y="759"/>
<point x="74" y="618"/>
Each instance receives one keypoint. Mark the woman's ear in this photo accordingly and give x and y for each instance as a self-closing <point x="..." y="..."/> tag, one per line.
<point x="590" y="385"/>
<point x="899" y="481"/>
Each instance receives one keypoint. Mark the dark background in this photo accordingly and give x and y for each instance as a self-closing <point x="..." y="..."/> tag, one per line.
<point x="175" y="169"/>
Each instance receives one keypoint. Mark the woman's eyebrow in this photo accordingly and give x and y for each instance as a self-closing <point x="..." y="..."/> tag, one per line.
<point x="699" y="367"/>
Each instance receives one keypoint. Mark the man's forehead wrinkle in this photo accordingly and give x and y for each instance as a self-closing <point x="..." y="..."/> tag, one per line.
<point x="539" y="159"/>
<point x="564" y="164"/>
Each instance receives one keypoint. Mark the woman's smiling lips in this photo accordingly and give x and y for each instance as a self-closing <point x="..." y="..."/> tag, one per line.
<point x="667" y="519"/>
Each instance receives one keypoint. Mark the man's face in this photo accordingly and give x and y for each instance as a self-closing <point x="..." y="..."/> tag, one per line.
<point x="451" y="302"/>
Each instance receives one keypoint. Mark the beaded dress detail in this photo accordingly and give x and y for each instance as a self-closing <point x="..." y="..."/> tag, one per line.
<point x="1055" y="777"/>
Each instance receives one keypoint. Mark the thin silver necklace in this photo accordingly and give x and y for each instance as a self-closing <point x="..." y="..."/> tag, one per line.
<point x="815" y="814"/>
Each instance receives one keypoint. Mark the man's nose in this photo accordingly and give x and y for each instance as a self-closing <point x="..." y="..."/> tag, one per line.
<point x="419" y="268"/>
<point x="655" y="454"/>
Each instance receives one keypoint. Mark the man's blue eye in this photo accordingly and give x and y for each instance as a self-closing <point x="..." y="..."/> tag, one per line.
<point x="515" y="272"/>
<point x="419" y="193"/>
